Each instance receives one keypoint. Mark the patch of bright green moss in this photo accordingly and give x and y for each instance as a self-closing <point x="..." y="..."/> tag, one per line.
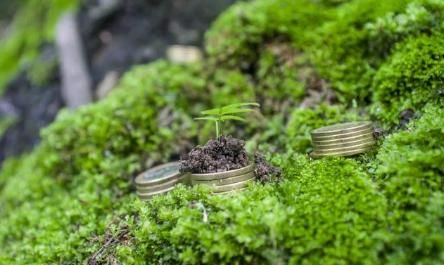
<point x="316" y="216"/>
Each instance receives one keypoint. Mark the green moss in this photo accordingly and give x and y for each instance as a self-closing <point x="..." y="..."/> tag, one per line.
<point x="87" y="159"/>
<point x="236" y="36"/>
<point x="410" y="173"/>
<point x="302" y="220"/>
<point x="410" y="78"/>
<point x="350" y="49"/>
<point x="72" y="197"/>
<point x="279" y="83"/>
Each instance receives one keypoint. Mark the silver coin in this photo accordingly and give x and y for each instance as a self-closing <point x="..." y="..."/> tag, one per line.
<point x="159" y="174"/>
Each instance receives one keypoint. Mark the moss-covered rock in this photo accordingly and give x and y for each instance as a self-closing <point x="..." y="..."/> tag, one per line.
<point x="410" y="78"/>
<point x="350" y="49"/>
<point x="325" y="212"/>
<point x="410" y="173"/>
<point x="70" y="201"/>
<point x="236" y="36"/>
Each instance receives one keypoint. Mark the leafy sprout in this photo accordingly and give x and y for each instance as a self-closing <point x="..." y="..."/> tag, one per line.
<point x="229" y="112"/>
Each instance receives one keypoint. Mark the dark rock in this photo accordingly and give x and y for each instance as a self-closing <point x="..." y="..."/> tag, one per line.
<point x="33" y="107"/>
<point x="405" y="117"/>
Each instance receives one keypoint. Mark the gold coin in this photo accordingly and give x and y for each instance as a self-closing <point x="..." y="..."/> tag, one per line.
<point x="345" y="140"/>
<point x="231" y="187"/>
<point x="344" y="135"/>
<point x="342" y="128"/>
<point x="344" y="148"/>
<point x="343" y="144"/>
<point x="148" y="195"/>
<point x="315" y="154"/>
<point x="225" y="181"/>
<point x="224" y="174"/>
<point x="159" y="174"/>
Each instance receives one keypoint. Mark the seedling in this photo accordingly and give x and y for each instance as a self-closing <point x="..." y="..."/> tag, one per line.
<point x="229" y="112"/>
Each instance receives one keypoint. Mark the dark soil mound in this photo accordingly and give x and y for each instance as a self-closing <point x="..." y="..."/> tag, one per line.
<point x="218" y="155"/>
<point x="264" y="171"/>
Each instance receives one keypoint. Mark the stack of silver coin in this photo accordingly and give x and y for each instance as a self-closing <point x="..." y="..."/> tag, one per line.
<point x="227" y="181"/>
<point x="159" y="180"/>
<point x="343" y="139"/>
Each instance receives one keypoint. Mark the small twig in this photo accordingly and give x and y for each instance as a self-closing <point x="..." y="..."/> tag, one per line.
<point x="108" y="243"/>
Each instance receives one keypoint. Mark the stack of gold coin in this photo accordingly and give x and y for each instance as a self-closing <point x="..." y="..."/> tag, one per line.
<point x="158" y="180"/>
<point x="343" y="139"/>
<point x="227" y="181"/>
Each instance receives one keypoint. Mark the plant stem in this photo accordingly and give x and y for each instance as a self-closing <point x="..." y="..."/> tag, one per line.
<point x="217" y="130"/>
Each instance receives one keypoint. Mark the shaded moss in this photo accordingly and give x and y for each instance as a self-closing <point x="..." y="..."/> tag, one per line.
<point x="235" y="37"/>
<point x="351" y="48"/>
<point x="410" y="78"/>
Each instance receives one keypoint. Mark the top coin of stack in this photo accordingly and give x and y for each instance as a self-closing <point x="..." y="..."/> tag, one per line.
<point x="343" y="139"/>
<point x="158" y="180"/>
<point x="227" y="181"/>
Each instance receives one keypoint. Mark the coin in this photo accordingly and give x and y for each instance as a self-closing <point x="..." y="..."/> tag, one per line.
<point x="342" y="128"/>
<point x="162" y="186"/>
<point x="342" y="148"/>
<point x="225" y="181"/>
<point x="365" y="136"/>
<point x="345" y="144"/>
<point x="149" y="195"/>
<point x="342" y="135"/>
<point x="231" y="187"/>
<point x="224" y="174"/>
<point x="356" y="151"/>
<point x="159" y="174"/>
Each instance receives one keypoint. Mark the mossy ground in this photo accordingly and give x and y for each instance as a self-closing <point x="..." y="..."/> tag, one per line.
<point x="71" y="199"/>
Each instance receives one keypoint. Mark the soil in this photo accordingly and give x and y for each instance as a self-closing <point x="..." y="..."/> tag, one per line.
<point x="227" y="153"/>
<point x="264" y="171"/>
<point x="218" y="155"/>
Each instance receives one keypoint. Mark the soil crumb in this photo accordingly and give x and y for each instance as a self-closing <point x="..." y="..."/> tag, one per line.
<point x="218" y="155"/>
<point x="264" y="171"/>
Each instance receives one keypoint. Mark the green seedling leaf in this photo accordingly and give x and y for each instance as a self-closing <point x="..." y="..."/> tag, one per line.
<point x="207" y="118"/>
<point x="230" y="112"/>
<point x="240" y="105"/>
<point x="216" y="111"/>
<point x="231" y="117"/>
